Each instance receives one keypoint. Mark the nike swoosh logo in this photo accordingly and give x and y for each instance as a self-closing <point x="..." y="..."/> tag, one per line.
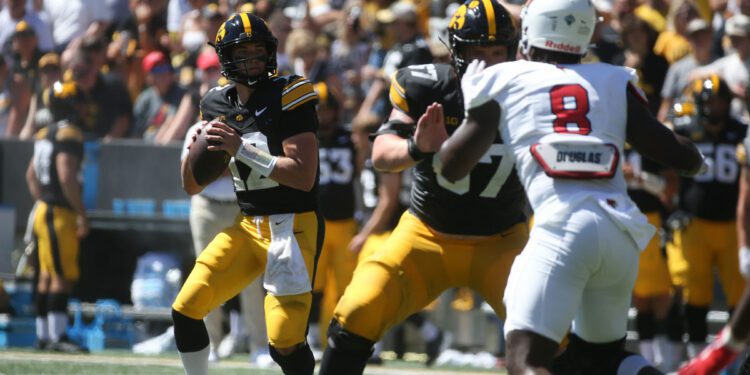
<point x="302" y="231"/>
<point x="259" y="112"/>
<point x="278" y="222"/>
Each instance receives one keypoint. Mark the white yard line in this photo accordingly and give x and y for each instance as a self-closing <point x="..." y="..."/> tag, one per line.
<point x="160" y="361"/>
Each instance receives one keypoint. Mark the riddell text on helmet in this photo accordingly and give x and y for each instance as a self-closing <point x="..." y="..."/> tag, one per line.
<point x="563" y="47"/>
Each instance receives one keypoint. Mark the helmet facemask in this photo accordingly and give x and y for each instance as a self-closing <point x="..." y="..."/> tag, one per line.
<point x="238" y="30"/>
<point x="237" y="69"/>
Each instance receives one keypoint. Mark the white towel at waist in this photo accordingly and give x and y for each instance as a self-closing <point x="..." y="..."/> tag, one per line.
<point x="286" y="272"/>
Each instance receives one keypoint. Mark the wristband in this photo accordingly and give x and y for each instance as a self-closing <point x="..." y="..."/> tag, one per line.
<point x="256" y="158"/>
<point x="414" y="151"/>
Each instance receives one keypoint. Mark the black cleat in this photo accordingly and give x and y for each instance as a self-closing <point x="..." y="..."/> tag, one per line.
<point x="434" y="347"/>
<point x="66" y="346"/>
<point x="41" y="344"/>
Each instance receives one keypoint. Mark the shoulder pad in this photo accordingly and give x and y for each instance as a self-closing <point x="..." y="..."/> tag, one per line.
<point x="297" y="92"/>
<point x="414" y="87"/>
<point x="68" y="133"/>
<point x="214" y="103"/>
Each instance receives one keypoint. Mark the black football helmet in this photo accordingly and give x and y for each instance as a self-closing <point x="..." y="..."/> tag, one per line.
<point x="244" y="28"/>
<point x="704" y="90"/>
<point x="65" y="102"/>
<point x="480" y="22"/>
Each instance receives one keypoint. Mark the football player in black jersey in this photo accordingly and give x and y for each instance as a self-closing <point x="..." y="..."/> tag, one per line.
<point x="60" y="217"/>
<point x="733" y="339"/>
<point x="463" y="234"/>
<point x="710" y="238"/>
<point x="267" y="124"/>
<point x="336" y="200"/>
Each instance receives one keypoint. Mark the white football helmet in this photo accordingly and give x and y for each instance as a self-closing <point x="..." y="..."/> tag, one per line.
<point x="557" y="25"/>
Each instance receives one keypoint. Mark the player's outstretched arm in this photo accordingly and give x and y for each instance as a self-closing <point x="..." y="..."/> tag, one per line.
<point x="654" y="140"/>
<point x="462" y="151"/>
<point x="390" y="152"/>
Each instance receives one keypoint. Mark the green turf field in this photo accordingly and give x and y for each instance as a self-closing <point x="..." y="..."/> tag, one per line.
<point x="16" y="361"/>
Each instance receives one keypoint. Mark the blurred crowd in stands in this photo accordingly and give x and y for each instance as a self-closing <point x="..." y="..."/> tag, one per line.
<point x="144" y="64"/>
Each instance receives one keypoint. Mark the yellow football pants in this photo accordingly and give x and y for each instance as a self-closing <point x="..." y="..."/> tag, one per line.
<point x="416" y="265"/>
<point x="705" y="245"/>
<point x="653" y="273"/>
<point x="56" y="230"/>
<point x="236" y="257"/>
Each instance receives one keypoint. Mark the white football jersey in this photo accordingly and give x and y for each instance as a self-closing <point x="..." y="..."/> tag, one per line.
<point x="566" y="126"/>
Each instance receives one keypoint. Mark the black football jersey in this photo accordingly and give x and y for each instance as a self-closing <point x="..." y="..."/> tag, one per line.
<point x="491" y="198"/>
<point x="60" y="137"/>
<point x="713" y="195"/>
<point x="646" y="201"/>
<point x="280" y="107"/>
<point x="336" y="190"/>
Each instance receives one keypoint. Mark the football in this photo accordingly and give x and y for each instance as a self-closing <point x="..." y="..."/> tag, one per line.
<point x="206" y="165"/>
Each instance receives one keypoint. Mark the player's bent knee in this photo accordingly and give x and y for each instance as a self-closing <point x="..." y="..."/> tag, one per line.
<point x="194" y="300"/>
<point x="347" y="352"/>
<point x="368" y="308"/>
<point x="286" y="318"/>
<point x="190" y="334"/>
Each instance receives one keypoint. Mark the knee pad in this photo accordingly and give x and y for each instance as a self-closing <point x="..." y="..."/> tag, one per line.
<point x="697" y="327"/>
<point x="645" y="325"/>
<point x="190" y="335"/>
<point x="57" y="302"/>
<point x="41" y="304"/>
<point x="299" y="362"/>
<point x="347" y="353"/>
